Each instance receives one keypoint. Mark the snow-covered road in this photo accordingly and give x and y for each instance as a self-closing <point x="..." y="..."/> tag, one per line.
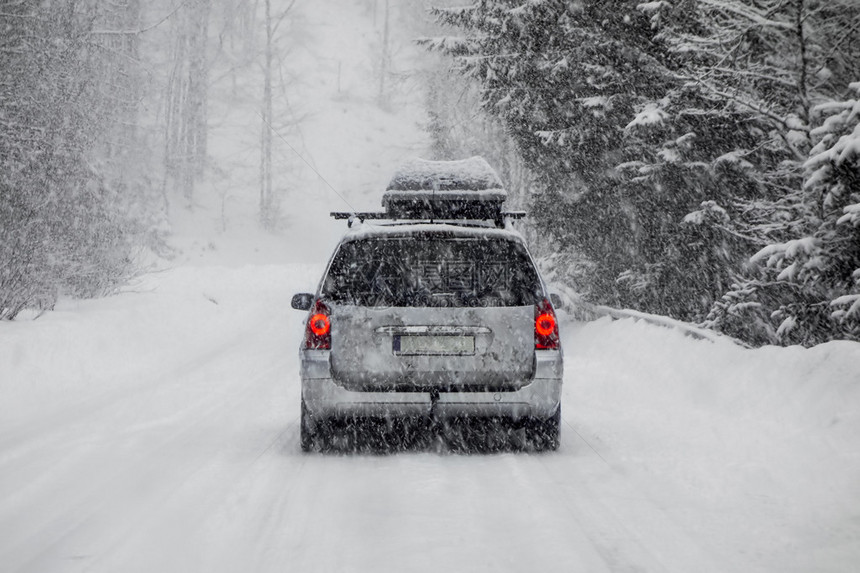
<point x="158" y="431"/>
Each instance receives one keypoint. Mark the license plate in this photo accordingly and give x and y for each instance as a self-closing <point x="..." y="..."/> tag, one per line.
<point x="434" y="345"/>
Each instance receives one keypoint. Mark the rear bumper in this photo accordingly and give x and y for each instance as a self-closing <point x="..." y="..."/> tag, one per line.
<point x="324" y="398"/>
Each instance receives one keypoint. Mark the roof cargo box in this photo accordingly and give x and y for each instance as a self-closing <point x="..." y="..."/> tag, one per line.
<point x="462" y="189"/>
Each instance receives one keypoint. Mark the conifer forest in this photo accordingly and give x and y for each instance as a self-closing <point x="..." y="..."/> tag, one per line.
<point x="695" y="159"/>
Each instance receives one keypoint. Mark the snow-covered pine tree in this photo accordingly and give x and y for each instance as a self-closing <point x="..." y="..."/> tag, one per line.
<point x="622" y="145"/>
<point x="807" y="289"/>
<point x="779" y="62"/>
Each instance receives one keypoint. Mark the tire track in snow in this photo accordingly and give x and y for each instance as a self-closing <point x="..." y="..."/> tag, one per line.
<point x="630" y="518"/>
<point x="90" y="500"/>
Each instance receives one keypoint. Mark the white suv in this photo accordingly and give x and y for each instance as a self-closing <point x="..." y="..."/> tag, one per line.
<point x="432" y="312"/>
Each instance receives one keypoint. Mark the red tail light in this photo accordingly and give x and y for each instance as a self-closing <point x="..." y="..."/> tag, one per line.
<point x="546" y="327"/>
<point x="318" y="329"/>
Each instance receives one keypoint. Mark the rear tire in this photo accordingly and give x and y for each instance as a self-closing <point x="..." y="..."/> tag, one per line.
<point x="309" y="432"/>
<point x="545" y="435"/>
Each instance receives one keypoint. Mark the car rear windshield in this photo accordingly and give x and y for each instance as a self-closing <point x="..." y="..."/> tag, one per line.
<point x="432" y="270"/>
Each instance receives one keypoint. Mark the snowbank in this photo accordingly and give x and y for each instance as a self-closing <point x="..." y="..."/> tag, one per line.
<point x="769" y="438"/>
<point x="91" y="350"/>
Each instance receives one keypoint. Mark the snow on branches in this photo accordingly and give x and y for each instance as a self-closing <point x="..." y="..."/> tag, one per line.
<point x="700" y="154"/>
<point x="818" y="274"/>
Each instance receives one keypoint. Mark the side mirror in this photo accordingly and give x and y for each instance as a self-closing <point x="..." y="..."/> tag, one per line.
<point x="556" y="300"/>
<point x="302" y="301"/>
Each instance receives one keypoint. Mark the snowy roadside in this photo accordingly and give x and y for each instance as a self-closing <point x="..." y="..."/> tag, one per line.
<point x="767" y="440"/>
<point x="87" y="350"/>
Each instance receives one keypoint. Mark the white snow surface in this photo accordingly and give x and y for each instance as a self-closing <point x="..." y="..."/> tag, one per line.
<point x="473" y="173"/>
<point x="648" y="7"/>
<point x="157" y="430"/>
<point x="649" y="116"/>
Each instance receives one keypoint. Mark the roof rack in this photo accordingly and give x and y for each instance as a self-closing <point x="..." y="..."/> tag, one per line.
<point x="357" y="215"/>
<point x="450" y="191"/>
<point x="351" y="217"/>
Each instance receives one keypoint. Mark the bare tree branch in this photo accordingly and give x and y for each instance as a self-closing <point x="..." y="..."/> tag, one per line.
<point x="141" y="30"/>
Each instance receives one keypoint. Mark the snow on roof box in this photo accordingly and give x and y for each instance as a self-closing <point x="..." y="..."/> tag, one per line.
<point x="473" y="174"/>
<point x="461" y="189"/>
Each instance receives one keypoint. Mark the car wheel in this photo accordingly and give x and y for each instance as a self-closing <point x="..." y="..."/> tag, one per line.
<point x="311" y="433"/>
<point x="545" y="435"/>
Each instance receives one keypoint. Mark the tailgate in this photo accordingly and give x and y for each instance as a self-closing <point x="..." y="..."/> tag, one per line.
<point x="419" y="348"/>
